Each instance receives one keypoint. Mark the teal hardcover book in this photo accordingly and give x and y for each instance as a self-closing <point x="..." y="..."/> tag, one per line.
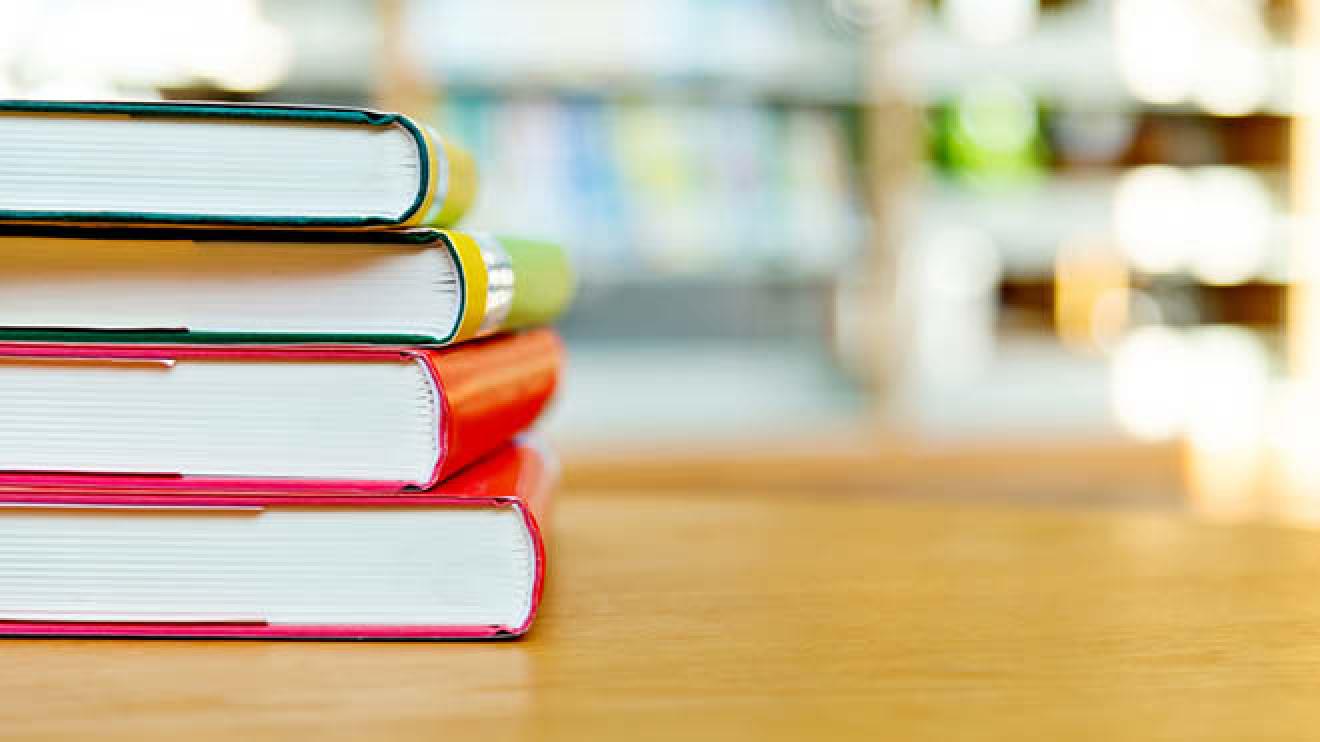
<point x="226" y="165"/>
<point x="158" y="285"/>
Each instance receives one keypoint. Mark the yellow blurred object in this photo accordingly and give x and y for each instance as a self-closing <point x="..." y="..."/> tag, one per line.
<point x="1303" y="310"/>
<point x="1091" y="295"/>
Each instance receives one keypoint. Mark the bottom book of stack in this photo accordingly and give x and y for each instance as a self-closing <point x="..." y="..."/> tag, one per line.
<point x="464" y="559"/>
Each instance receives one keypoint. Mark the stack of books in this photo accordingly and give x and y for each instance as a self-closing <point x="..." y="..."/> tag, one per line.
<point x="248" y="388"/>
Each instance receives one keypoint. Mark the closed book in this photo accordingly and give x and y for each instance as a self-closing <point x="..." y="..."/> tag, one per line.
<point x="198" y="163"/>
<point x="271" y="419"/>
<point x="171" y="285"/>
<point x="464" y="560"/>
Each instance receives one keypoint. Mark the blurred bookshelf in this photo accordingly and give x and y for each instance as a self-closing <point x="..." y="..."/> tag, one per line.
<point x="705" y="162"/>
<point x="1116" y="174"/>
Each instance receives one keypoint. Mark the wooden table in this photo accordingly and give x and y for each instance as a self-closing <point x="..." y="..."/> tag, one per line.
<point x="777" y="616"/>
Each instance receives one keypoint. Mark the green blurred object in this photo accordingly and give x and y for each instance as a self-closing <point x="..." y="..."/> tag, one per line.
<point x="991" y="135"/>
<point x="541" y="301"/>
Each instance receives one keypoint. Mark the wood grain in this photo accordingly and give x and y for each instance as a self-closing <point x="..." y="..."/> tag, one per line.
<point x="786" y="616"/>
<point x="1100" y="471"/>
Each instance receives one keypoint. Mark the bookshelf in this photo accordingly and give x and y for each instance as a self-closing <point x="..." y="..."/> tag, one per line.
<point x="706" y="163"/>
<point x="1110" y="171"/>
<point x="902" y="197"/>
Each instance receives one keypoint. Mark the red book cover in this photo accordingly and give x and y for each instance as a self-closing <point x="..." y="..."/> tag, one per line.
<point x="485" y="392"/>
<point x="516" y="479"/>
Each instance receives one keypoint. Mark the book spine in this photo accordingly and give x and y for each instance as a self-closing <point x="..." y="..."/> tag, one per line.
<point x="543" y="282"/>
<point x="452" y="180"/>
<point x="509" y="283"/>
<point x="492" y="389"/>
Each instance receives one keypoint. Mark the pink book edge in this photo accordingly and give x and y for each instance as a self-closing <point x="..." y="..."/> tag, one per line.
<point x="217" y="630"/>
<point x="174" y="482"/>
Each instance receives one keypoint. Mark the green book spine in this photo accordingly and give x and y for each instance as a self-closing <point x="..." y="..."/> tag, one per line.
<point x="543" y="282"/>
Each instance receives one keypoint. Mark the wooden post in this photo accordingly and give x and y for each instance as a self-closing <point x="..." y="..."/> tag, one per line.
<point x="400" y="85"/>
<point x="892" y="156"/>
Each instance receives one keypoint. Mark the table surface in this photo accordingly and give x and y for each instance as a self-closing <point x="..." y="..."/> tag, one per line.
<point x="777" y="616"/>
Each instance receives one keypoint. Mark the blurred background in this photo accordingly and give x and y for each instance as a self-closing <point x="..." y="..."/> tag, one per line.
<point x="1057" y="249"/>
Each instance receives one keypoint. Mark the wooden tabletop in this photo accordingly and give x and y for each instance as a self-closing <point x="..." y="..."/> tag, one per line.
<point x="777" y="616"/>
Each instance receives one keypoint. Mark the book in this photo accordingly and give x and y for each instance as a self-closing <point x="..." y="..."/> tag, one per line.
<point x="198" y="163"/>
<point x="464" y="560"/>
<point x="272" y="419"/>
<point x="165" y="284"/>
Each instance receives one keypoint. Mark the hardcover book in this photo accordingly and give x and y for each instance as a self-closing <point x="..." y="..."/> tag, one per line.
<point x="200" y="163"/>
<point x="464" y="560"/>
<point x="169" y="285"/>
<point x="270" y="419"/>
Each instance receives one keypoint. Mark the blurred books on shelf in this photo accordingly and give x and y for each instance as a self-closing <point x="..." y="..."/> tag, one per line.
<point x="662" y="188"/>
<point x="706" y="164"/>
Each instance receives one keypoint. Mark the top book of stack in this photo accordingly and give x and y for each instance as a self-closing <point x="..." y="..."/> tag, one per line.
<point x="226" y="165"/>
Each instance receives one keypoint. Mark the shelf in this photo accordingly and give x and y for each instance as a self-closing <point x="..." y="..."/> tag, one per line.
<point x="720" y="279"/>
<point x="693" y="91"/>
<point x="684" y="390"/>
<point x="1028" y="223"/>
<point x="1069" y="60"/>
